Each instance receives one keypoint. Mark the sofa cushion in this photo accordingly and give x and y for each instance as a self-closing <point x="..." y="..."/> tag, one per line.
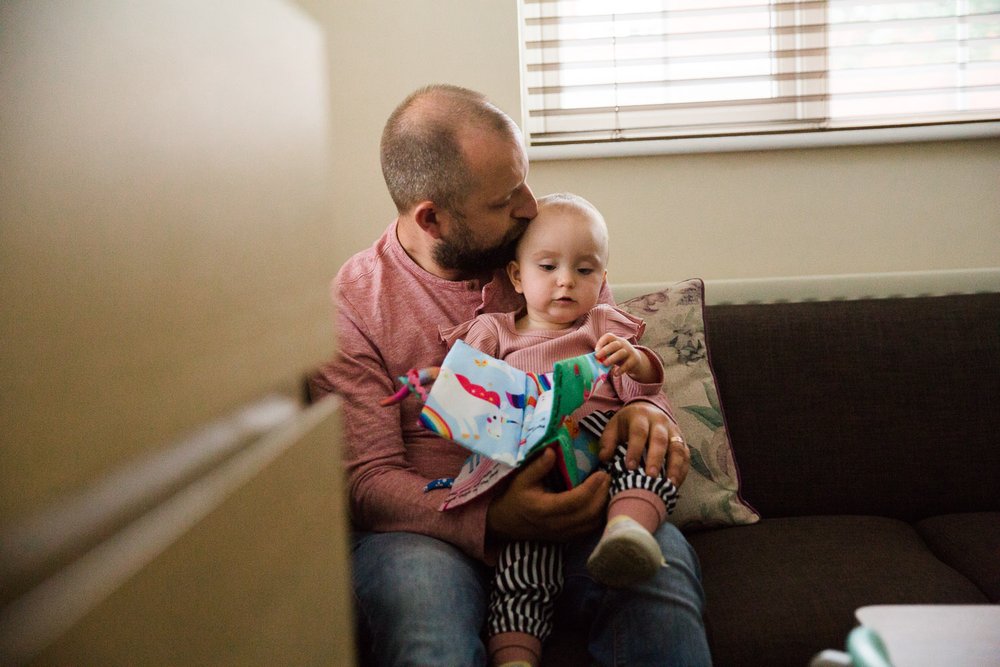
<point x="782" y="590"/>
<point x="970" y="543"/>
<point x="886" y="406"/>
<point x="675" y="330"/>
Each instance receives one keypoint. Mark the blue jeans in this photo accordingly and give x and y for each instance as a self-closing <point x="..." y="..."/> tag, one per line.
<point x="420" y="601"/>
<point x="658" y="622"/>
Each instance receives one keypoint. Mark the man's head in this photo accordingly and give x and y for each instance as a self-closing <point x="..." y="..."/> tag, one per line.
<point x="456" y="164"/>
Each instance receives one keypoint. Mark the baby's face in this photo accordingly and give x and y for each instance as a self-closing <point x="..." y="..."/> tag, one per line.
<point x="560" y="265"/>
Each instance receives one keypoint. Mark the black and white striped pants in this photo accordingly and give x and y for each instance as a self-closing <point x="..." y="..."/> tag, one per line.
<point x="529" y="574"/>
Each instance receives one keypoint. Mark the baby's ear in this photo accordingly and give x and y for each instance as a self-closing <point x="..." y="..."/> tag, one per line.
<point x="514" y="273"/>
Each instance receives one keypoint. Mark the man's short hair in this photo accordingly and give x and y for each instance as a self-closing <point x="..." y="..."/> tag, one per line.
<point x="421" y="151"/>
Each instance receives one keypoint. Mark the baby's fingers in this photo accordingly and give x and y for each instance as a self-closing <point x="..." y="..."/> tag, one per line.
<point x="607" y="347"/>
<point x="617" y="354"/>
<point x="605" y="340"/>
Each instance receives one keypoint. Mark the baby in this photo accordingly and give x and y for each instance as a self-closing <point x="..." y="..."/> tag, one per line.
<point x="560" y="268"/>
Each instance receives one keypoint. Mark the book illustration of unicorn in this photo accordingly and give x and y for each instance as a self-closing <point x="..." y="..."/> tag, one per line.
<point x="467" y="403"/>
<point x="519" y="413"/>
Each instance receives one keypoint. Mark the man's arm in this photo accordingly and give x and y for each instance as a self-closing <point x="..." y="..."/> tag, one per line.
<point x="386" y="493"/>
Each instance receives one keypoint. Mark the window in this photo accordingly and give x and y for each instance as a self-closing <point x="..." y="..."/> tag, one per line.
<point x="601" y="72"/>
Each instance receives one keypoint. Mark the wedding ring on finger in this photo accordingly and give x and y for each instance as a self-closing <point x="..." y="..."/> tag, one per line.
<point x="677" y="438"/>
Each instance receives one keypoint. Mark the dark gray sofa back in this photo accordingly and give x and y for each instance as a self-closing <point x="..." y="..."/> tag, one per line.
<point x="881" y="406"/>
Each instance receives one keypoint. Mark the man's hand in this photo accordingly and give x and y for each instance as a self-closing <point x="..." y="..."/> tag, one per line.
<point x="649" y="433"/>
<point x="527" y="510"/>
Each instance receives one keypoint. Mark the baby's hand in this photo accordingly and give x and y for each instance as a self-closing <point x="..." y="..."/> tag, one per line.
<point x="615" y="351"/>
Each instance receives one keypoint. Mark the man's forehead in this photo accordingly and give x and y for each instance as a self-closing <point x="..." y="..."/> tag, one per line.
<point x="493" y="152"/>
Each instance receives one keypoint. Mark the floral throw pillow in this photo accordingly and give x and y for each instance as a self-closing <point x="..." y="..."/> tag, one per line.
<point x="675" y="330"/>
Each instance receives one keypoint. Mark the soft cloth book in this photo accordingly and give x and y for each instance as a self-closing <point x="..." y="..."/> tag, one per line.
<point x="505" y="415"/>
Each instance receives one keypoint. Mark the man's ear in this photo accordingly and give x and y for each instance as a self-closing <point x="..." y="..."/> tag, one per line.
<point x="426" y="214"/>
<point x="514" y="273"/>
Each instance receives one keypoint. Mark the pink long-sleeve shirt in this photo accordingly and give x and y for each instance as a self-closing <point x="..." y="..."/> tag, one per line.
<point x="537" y="351"/>
<point x="388" y="311"/>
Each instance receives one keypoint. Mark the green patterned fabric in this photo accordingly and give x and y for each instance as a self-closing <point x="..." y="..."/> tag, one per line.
<point x="572" y="381"/>
<point x="675" y="330"/>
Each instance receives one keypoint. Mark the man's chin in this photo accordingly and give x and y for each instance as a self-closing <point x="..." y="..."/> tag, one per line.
<point x="502" y="256"/>
<point x="471" y="263"/>
<point x="508" y="249"/>
<point x="456" y="255"/>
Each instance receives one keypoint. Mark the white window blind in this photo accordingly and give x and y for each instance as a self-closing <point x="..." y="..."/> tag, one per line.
<point x="614" y="71"/>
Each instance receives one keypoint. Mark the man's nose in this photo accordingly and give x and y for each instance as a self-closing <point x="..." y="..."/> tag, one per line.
<point x="527" y="207"/>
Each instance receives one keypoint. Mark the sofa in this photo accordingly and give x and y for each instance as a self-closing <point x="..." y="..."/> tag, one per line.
<point x="859" y="451"/>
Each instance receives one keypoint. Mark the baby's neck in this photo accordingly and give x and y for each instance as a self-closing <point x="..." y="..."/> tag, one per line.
<point x="527" y="323"/>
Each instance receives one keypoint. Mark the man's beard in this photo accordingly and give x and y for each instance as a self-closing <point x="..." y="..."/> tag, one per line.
<point x="459" y="252"/>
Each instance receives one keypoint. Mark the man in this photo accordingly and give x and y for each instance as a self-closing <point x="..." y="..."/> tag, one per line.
<point x="456" y="169"/>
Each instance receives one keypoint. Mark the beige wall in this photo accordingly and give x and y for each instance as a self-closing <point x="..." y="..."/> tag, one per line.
<point x="792" y="212"/>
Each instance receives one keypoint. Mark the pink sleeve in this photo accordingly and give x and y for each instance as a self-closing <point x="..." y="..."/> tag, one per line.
<point x="386" y="493"/>
<point x="611" y="319"/>
<point x="481" y="333"/>
<point x="620" y="323"/>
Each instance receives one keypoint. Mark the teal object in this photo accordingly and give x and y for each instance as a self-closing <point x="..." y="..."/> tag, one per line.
<point x="867" y="649"/>
<point x="573" y="380"/>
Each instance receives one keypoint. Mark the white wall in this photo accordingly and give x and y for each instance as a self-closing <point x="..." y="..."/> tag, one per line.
<point x="805" y="211"/>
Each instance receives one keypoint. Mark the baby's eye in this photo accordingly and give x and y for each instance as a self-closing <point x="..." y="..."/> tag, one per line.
<point x="585" y="271"/>
<point x="547" y="267"/>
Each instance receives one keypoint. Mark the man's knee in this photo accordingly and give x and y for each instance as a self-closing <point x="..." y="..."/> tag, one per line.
<point x="677" y="551"/>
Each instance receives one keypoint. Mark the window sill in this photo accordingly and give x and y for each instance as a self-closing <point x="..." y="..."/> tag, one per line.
<point x="762" y="142"/>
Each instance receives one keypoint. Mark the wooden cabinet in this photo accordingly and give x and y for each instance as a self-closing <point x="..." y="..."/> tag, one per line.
<point x="167" y="228"/>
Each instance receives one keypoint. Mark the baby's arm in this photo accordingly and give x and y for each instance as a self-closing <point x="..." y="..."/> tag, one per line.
<point x="615" y="351"/>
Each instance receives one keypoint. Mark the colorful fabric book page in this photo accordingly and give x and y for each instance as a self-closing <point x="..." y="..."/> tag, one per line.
<point x="506" y="415"/>
<point x="478" y="475"/>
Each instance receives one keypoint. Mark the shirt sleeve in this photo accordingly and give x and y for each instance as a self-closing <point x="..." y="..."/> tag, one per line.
<point x="385" y="492"/>
<point x="480" y="332"/>
<point x="611" y="319"/>
<point x="620" y="323"/>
